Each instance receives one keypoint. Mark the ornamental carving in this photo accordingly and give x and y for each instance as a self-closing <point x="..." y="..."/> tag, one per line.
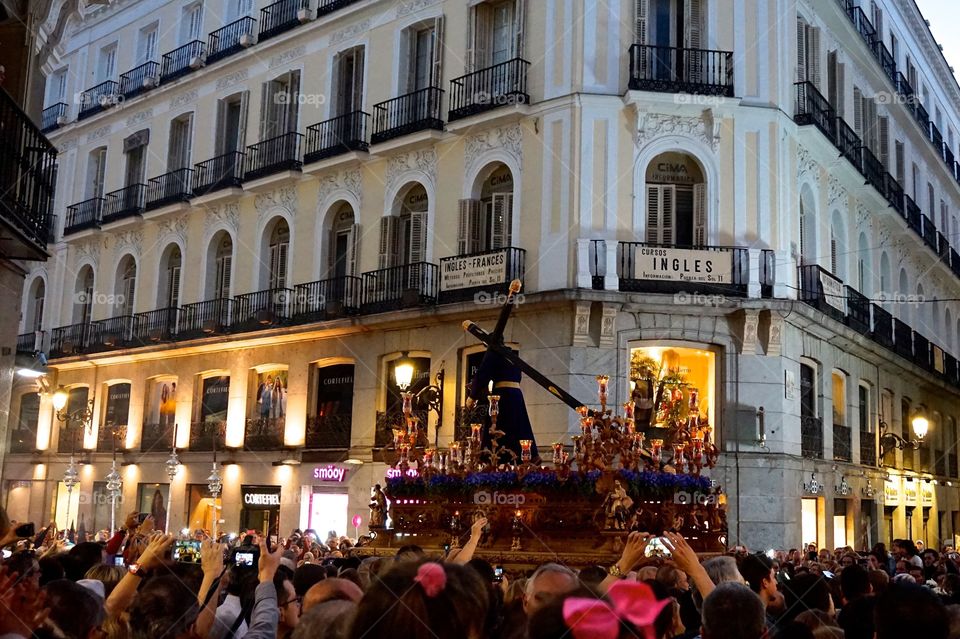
<point x="68" y="144"/>
<point x="101" y="132"/>
<point x="227" y="215"/>
<point x="231" y="79"/>
<point x="89" y="250"/>
<point x="173" y="229"/>
<point x="350" y="31"/>
<point x="705" y="129"/>
<point x="131" y="241"/>
<point x="806" y="166"/>
<point x="884" y="236"/>
<point x="284" y="198"/>
<point x="183" y="99"/>
<point x="349" y="180"/>
<point x="406" y="8"/>
<point x="863" y="215"/>
<point x="138" y="117"/>
<point x="510" y="139"/>
<point x="283" y="58"/>
<point x="399" y="167"/>
<point x="836" y="195"/>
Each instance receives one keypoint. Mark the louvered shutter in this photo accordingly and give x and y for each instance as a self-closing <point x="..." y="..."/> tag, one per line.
<point x="803" y="234"/>
<point x="418" y="237"/>
<point x="482" y="36"/>
<point x="221" y="143"/>
<point x="353" y="249"/>
<point x="242" y="124"/>
<point x="833" y="254"/>
<point x="467" y="235"/>
<point x="388" y="242"/>
<point x="173" y="287"/>
<point x="280" y="279"/>
<point x="883" y="132"/>
<point x="100" y="170"/>
<point x="692" y="29"/>
<point x="224" y="275"/>
<point x="293" y="105"/>
<point x="700" y="214"/>
<point x="500" y="221"/>
<point x="858" y="112"/>
<point x="870" y="122"/>
<point x="841" y="84"/>
<point x="801" y="50"/>
<point x="436" y="70"/>
<point x="667" y="214"/>
<point x="832" y="78"/>
<point x="519" y="26"/>
<point x="357" y="87"/>
<point x="813" y="54"/>
<point x="654" y="202"/>
<point x="129" y="290"/>
<point x="898" y="159"/>
<point x="641" y="36"/>
<point x="268" y="112"/>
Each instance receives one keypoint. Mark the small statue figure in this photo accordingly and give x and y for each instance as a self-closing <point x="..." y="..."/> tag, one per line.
<point x="378" y="507"/>
<point x="617" y="506"/>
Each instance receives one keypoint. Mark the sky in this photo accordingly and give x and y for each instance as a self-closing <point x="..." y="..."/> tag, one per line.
<point x="944" y="16"/>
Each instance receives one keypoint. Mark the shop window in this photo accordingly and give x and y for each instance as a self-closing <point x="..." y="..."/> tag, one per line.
<point x="267" y="413"/>
<point x="839" y="523"/>
<point x="153" y="499"/>
<point x="211" y="413"/>
<point x="839" y="383"/>
<point x="810" y="521"/>
<point x="675" y="201"/>
<point x="689" y="371"/>
<point x="71" y="436"/>
<point x="201" y="509"/>
<point x="161" y="414"/>
<point x="23" y="435"/>
<point x="326" y="512"/>
<point x="116" y="414"/>
<point x="68" y="505"/>
<point x="330" y="424"/>
<point x="393" y="408"/>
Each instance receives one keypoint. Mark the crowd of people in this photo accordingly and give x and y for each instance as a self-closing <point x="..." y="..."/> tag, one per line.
<point x="132" y="586"/>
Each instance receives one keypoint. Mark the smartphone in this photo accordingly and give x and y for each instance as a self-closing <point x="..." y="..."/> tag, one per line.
<point x="244" y="558"/>
<point x="25" y="530"/>
<point x="656" y="548"/>
<point x="827" y="574"/>
<point x="118" y="561"/>
<point x="41" y="537"/>
<point x="187" y="552"/>
<point x="498" y="573"/>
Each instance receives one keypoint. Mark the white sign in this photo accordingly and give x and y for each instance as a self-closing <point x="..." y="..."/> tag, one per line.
<point x="683" y="265"/>
<point x="833" y="292"/>
<point x="467" y="272"/>
<point x="261" y="499"/>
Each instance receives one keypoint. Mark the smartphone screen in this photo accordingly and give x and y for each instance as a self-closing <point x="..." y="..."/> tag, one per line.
<point x="25" y="530"/>
<point x="244" y="559"/>
<point x="187" y="552"/>
<point x="498" y="573"/>
<point x="118" y="561"/>
<point x="656" y="548"/>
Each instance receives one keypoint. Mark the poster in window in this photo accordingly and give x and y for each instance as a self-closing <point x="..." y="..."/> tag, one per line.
<point x="161" y="415"/>
<point x="264" y="429"/>
<point x="115" y="415"/>
<point x="72" y="438"/>
<point x="215" y="396"/>
<point x="330" y="426"/>
<point x="153" y="499"/>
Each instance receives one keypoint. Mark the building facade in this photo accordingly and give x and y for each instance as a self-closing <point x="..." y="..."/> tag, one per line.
<point x="265" y="206"/>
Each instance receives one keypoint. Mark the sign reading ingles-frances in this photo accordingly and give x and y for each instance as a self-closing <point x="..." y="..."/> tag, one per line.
<point x="478" y="270"/>
<point x="683" y="265"/>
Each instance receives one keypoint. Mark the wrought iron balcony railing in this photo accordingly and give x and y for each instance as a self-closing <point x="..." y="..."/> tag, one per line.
<point x="70" y="340"/>
<point x="341" y="134"/>
<point x="503" y="84"/>
<point x="169" y="188"/>
<point x="262" y="309"/>
<point x="84" y="215"/>
<point x="96" y="99"/>
<point x="30" y="343"/>
<point x="183" y="60"/>
<point x="264" y="432"/>
<point x="811" y="437"/>
<point x="326" y="299"/>
<point x="842" y="448"/>
<point x="882" y="330"/>
<point x="156" y="326"/>
<point x="417" y="111"/>
<point x="202" y="319"/>
<point x="325" y="7"/>
<point x="156" y="437"/>
<point x="281" y="153"/>
<point x="398" y="287"/>
<point x="116" y="332"/>
<point x="231" y="38"/>
<point x="203" y="434"/>
<point x="221" y="172"/>
<point x="53" y="117"/>
<point x="820" y="289"/>
<point x="868" y="448"/>
<point x="279" y="17"/>
<point x="140" y="79"/>
<point x="812" y="108"/>
<point x="124" y="203"/>
<point x="681" y="70"/>
<point x="329" y="432"/>
<point x="858" y="311"/>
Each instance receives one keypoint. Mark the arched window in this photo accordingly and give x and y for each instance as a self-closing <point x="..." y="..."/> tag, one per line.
<point x="34" y="317"/>
<point x="83" y="296"/>
<point x="168" y="290"/>
<point x="278" y="252"/>
<point x="864" y="270"/>
<point x="220" y="267"/>
<point x="486" y="223"/>
<point x="126" y="286"/>
<point x="403" y="236"/>
<point x="676" y="201"/>
<point x="343" y="241"/>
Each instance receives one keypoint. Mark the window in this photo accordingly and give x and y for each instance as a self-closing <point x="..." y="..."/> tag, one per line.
<point x="839" y="384"/>
<point x="908" y="457"/>
<point x="808" y="391"/>
<point x="496" y="33"/>
<point x="135" y="150"/>
<point x="116" y="414"/>
<point x="944" y="219"/>
<point x="147" y="45"/>
<point x="57" y="87"/>
<point x="238" y="9"/>
<point x="403" y="236"/>
<point x="676" y="201"/>
<point x="83" y="304"/>
<point x="915" y="174"/>
<point x="278" y="254"/>
<point x="96" y="172"/>
<point x="652" y="366"/>
<point x="279" y="104"/>
<point x="931" y="201"/>
<point x="329" y="427"/>
<point x="423" y="53"/>
<point x="348" y="85"/>
<point x="911" y="74"/>
<point x="34" y="319"/>
<point x="191" y="23"/>
<point x="808" y="53"/>
<point x="170" y="278"/>
<point x="232" y="123"/>
<point x="181" y="141"/>
<point x="219" y="287"/>
<point x="899" y="163"/>
<point x="126" y="286"/>
<point x="863" y="408"/>
<point x="835" y="82"/>
<point x="894" y="48"/>
<point x="344" y="238"/>
<point x="107" y="63"/>
<point x="486" y="223"/>
<point x="876" y="18"/>
<point x="23" y="435"/>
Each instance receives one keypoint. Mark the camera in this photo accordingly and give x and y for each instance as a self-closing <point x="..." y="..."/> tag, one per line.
<point x="246" y="556"/>
<point x="187" y="552"/>
<point x="498" y="573"/>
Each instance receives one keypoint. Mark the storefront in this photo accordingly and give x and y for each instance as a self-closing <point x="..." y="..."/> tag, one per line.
<point x="261" y="509"/>
<point x="325" y="500"/>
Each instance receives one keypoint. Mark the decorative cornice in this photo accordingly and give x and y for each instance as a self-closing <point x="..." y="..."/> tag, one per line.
<point x="931" y="49"/>
<point x="172" y="229"/>
<point x="705" y="129"/>
<point x="89" y="250"/>
<point x="510" y="139"/>
<point x="131" y="241"/>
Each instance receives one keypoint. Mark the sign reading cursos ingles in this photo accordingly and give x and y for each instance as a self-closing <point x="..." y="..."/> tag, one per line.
<point x="683" y="265"/>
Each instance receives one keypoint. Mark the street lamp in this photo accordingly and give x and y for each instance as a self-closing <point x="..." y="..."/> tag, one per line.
<point x="215" y="485"/>
<point x="890" y="441"/>
<point x="429" y="397"/>
<point x="80" y="417"/>
<point x="172" y="466"/>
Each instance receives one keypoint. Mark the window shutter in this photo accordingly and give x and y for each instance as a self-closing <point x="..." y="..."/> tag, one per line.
<point x="388" y="242"/>
<point x="283" y="249"/>
<point x="833" y="254"/>
<point x="436" y="71"/>
<point x="858" y="112"/>
<point x="418" y="237"/>
<point x="640" y="33"/>
<point x="357" y="88"/>
<point x="803" y="234"/>
<point x="242" y="126"/>
<point x="221" y="127"/>
<point x="500" y="221"/>
<point x="224" y="274"/>
<point x="884" y="141"/>
<point x="293" y="103"/>
<point x="813" y="58"/>
<point x="463" y="226"/>
<point x="700" y="214"/>
<point x="693" y="17"/>
<point x="519" y="25"/>
<point x="801" y="50"/>
<point x="667" y="218"/>
<point x="353" y="249"/>
<point x="653" y="214"/>
<point x="99" y="175"/>
<point x="898" y="159"/>
<point x="482" y="36"/>
<point x="267" y="112"/>
<point x="832" y="78"/>
<point x="187" y="142"/>
<point x="173" y="286"/>
<point x="841" y="84"/>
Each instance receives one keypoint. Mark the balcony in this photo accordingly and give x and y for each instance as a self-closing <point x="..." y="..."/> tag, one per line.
<point x="169" y="188"/>
<point x="902" y="339"/>
<point x="116" y="332"/>
<point x="281" y="153"/>
<point x="70" y="340"/>
<point x="156" y="326"/>
<point x="893" y="192"/>
<point x="203" y="434"/>
<point x="929" y="233"/>
<point x="913" y="216"/>
<point x="868" y="448"/>
<point x="124" y="203"/>
<point x="478" y="276"/>
<point x="873" y="170"/>
<point x="679" y="70"/>
<point x="858" y="311"/>
<point x="329" y="432"/>
<point x="263" y="309"/>
<point x="23" y="438"/>
<point x="99" y="98"/>
<point x="811" y="437"/>
<point x="882" y="331"/>
<point x="231" y="39"/>
<point x="70" y="439"/>
<point x="842" y="449"/>
<point x="156" y="438"/>
<point x="202" y="319"/>
<point x="140" y="79"/>
<point x="342" y="134"/>
<point x="397" y="287"/>
<point x="53" y="117"/>
<point x="821" y="290"/>
<point x="222" y="172"/>
<point x="655" y="268"/>
<point x="30" y="343"/>
<point x="417" y="111"/>
<point x="182" y="60"/>
<point x="812" y="108"/>
<point x="848" y="143"/>
<point x="279" y="17"/>
<point x="326" y="299"/>
<point x="28" y="178"/>
<point x="325" y="7"/>
<point x="921" y="351"/>
<point x="503" y="84"/>
<point x="263" y="433"/>
<point x="84" y="215"/>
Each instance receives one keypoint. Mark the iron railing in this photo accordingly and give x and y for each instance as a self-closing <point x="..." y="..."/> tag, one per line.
<point x="84" y="215"/>
<point x="156" y="437"/>
<point x="868" y="448"/>
<point x="893" y="192"/>
<point x="327" y="299"/>
<point x="902" y="339"/>
<point x="263" y="433"/>
<point x="882" y="330"/>
<point x="928" y="231"/>
<point x="827" y="299"/>
<point x="98" y="98"/>
<point x="913" y="215"/>
<point x="30" y="343"/>
<point x="52" y="117"/>
<point x="842" y="448"/>
<point x="169" y="188"/>
<point x="872" y="169"/>
<point x="812" y="108"/>
<point x="124" y="203"/>
<point x="325" y="7"/>
<point x="203" y="434"/>
<point x="155" y="326"/>
<point x="221" y="172"/>
<point x="329" y="431"/>
<point x="70" y="340"/>
<point x="140" y="79"/>
<point x="338" y="135"/>
<point x="408" y="113"/>
<point x="403" y="286"/>
<point x="811" y="437"/>
<point x="858" y="311"/>
<point x="279" y="17"/>
<point x="280" y="153"/>
<point x="479" y="276"/>
<point x="848" y="143"/>
<point x="199" y="319"/>
<point x="262" y="309"/>
<point x="681" y="70"/>
<point x="637" y="262"/>
<point x="231" y="38"/>
<point x="921" y="351"/>
<point x="503" y="84"/>
<point x="952" y="465"/>
<point x="115" y="332"/>
<point x="183" y="60"/>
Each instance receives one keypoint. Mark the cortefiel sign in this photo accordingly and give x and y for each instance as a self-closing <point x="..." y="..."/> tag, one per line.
<point x="480" y="270"/>
<point x="683" y="265"/>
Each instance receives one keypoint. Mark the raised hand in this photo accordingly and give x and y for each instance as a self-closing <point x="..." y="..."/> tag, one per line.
<point x="153" y="555"/>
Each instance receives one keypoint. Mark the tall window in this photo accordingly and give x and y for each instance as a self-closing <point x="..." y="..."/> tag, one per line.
<point x="107" y="63"/>
<point x="863" y="409"/>
<point x="57" y="87"/>
<point x="486" y="223"/>
<point x="232" y="123"/>
<point x="343" y="249"/>
<point x="181" y="140"/>
<point x="676" y="201"/>
<point x="170" y="278"/>
<point x="279" y="105"/>
<point x="496" y="34"/>
<point x="222" y="271"/>
<point x="126" y="286"/>
<point x="403" y="236"/>
<point x="905" y="432"/>
<point x="83" y="297"/>
<point x="135" y="151"/>
<point x="808" y="53"/>
<point x="839" y="383"/>
<point x="835" y="81"/>
<point x="34" y="319"/>
<point x="279" y="250"/>
<point x="348" y="81"/>
<point x="147" y="45"/>
<point x="423" y="53"/>
<point x="191" y="23"/>
<point x="808" y="391"/>
<point x="238" y="9"/>
<point x="96" y="172"/>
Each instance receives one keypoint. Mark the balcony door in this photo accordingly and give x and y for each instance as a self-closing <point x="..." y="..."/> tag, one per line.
<point x="278" y="253"/>
<point x="179" y="147"/>
<point x="83" y="305"/>
<point x="222" y="268"/>
<point x="421" y="67"/>
<point x="343" y="250"/>
<point x="487" y="224"/>
<point x="675" y="201"/>
<point x="670" y="23"/>
<point x="135" y="150"/>
<point x="349" y="81"/>
<point x="126" y="286"/>
<point x="497" y="33"/>
<point x="232" y="123"/>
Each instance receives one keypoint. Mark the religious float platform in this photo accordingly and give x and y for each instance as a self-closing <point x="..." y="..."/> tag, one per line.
<point x="637" y="471"/>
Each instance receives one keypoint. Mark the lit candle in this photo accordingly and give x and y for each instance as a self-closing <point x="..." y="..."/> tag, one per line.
<point x="454" y="452"/>
<point x="577" y="444"/>
<point x="525" y="445"/>
<point x="397" y="438"/>
<point x="656" y="445"/>
<point x="490" y="387"/>
<point x="494" y="405"/>
<point x="583" y="411"/>
<point x="678" y="458"/>
<point x="557" y="452"/>
<point x="628" y="409"/>
<point x="428" y="456"/>
<point x="407" y="402"/>
<point x="602" y="381"/>
<point x="585" y="425"/>
<point x="475" y="431"/>
<point x="694" y="399"/>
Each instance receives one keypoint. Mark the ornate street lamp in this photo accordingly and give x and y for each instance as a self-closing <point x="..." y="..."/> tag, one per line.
<point x="81" y="417"/>
<point x="172" y="466"/>
<point x="215" y="485"/>
<point x="71" y="477"/>
<point x="890" y="441"/>
<point x="430" y="397"/>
